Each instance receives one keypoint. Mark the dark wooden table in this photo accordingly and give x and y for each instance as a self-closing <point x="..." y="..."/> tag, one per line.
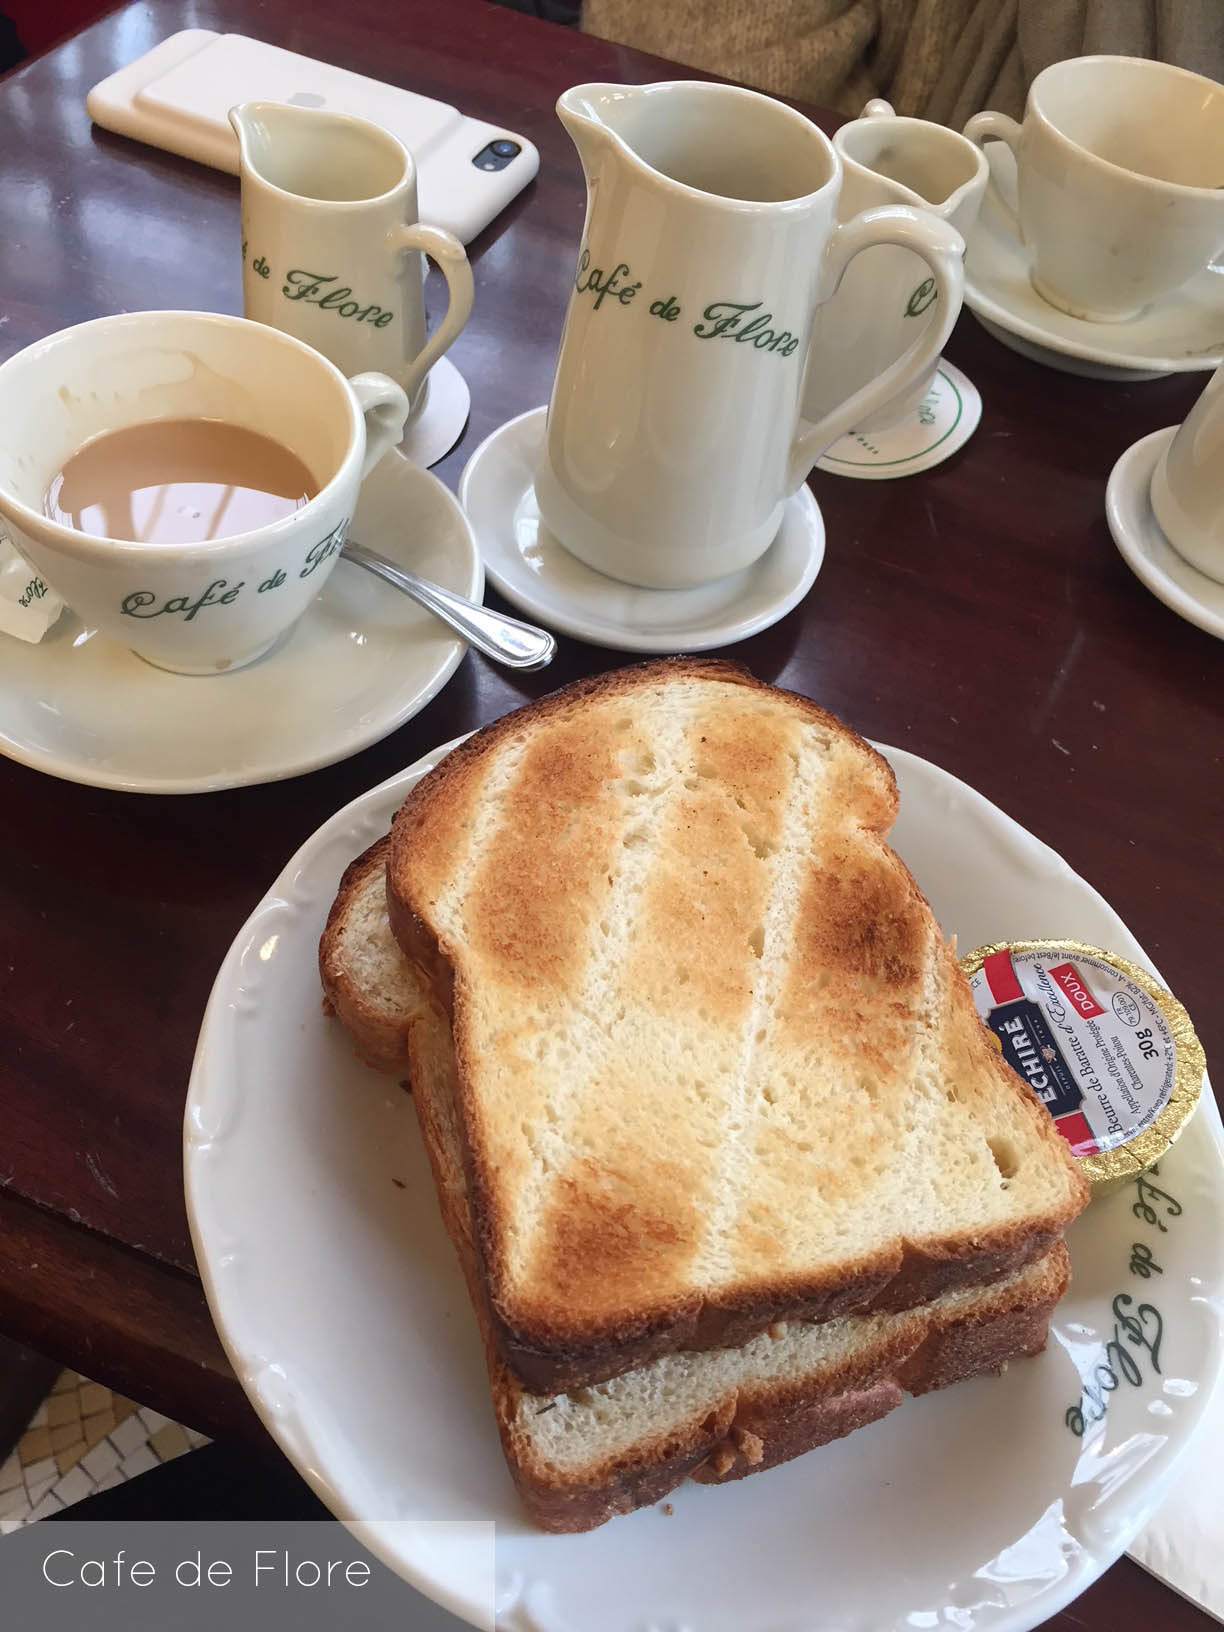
<point x="978" y="615"/>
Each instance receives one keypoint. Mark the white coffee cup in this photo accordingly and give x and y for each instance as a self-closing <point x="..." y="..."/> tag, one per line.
<point x="204" y="607"/>
<point x="887" y="295"/>
<point x="1188" y="484"/>
<point x="1120" y="170"/>
<point x="331" y="242"/>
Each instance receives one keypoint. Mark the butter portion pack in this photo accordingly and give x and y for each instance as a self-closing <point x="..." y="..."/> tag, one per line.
<point x="1109" y="1052"/>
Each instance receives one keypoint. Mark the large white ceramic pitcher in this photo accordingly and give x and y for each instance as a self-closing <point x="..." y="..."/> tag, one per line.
<point x="674" y="431"/>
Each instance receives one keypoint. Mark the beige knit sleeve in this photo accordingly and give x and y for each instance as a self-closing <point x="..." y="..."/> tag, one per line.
<point x="940" y="59"/>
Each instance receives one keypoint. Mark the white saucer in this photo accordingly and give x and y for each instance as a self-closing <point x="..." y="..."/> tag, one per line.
<point x="541" y="578"/>
<point x="1180" y="334"/>
<point x="439" y="425"/>
<point x="360" y="662"/>
<point x="1146" y="550"/>
<point x="1066" y="365"/>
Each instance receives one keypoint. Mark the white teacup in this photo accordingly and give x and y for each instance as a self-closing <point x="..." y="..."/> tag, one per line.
<point x="1120" y="168"/>
<point x="203" y="607"/>
<point x="331" y="243"/>
<point x="1188" y="484"/>
<point x="887" y="294"/>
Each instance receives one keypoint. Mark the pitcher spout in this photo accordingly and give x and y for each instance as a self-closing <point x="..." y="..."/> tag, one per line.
<point x="597" y="118"/>
<point x="250" y="123"/>
<point x="243" y="119"/>
<point x="317" y="154"/>
<point x="708" y="142"/>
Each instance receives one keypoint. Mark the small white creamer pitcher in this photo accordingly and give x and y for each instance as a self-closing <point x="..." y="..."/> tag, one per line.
<point x="887" y="295"/>
<point x="674" y="430"/>
<point x="331" y="244"/>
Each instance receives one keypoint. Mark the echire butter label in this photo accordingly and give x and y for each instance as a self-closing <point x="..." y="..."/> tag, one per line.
<point x="1110" y="1054"/>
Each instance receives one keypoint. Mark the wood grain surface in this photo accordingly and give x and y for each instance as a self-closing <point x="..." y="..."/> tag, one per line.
<point x="977" y="615"/>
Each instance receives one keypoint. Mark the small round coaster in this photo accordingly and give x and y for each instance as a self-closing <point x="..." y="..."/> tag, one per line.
<point x="942" y="423"/>
<point x="439" y="425"/>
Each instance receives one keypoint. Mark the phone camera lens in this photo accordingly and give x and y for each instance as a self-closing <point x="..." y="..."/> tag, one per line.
<point x="498" y="154"/>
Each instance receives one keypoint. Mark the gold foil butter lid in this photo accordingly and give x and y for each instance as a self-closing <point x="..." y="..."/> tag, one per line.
<point x="1109" y="1052"/>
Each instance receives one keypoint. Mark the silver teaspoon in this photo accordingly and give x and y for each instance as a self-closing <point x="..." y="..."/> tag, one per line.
<point x="504" y="640"/>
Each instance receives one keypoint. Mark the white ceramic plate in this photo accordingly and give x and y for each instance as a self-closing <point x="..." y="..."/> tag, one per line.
<point x="539" y="576"/>
<point x="361" y="661"/>
<point x="337" y="1296"/>
<point x="1143" y="545"/>
<point x="1181" y="333"/>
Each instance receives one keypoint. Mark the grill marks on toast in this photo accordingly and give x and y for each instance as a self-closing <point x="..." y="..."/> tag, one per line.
<point x="653" y="1160"/>
<point x="778" y="842"/>
<point x="538" y="880"/>
<point x="674" y="932"/>
<point x="612" y="1207"/>
<point x="845" y="1039"/>
<point x="676" y="991"/>
<point x="835" y="1021"/>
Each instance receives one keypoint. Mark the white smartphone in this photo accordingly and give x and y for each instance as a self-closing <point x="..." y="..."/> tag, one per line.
<point x="178" y="95"/>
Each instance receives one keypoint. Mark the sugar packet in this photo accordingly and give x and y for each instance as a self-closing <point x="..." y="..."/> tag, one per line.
<point x="28" y="606"/>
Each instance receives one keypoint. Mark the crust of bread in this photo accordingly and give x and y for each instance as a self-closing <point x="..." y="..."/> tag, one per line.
<point x="379" y="1039"/>
<point x="544" y="1346"/>
<point x="762" y="1433"/>
<point x="919" y="1279"/>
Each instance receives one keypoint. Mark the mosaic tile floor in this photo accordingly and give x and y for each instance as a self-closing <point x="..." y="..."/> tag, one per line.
<point x="81" y="1439"/>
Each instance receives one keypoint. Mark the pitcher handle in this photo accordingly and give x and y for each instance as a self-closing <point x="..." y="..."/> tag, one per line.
<point x="385" y="407"/>
<point x="444" y="248"/>
<point x="943" y="249"/>
<point x="996" y="127"/>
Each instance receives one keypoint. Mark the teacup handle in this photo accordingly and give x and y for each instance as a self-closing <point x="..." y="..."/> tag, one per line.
<point x="996" y="127"/>
<point x="444" y="248"/>
<point x="943" y="249"/>
<point x="385" y="408"/>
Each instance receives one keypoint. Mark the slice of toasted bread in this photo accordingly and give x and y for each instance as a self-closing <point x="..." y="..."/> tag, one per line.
<point x="716" y="1066"/>
<point x="368" y="983"/>
<point x="580" y="1458"/>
